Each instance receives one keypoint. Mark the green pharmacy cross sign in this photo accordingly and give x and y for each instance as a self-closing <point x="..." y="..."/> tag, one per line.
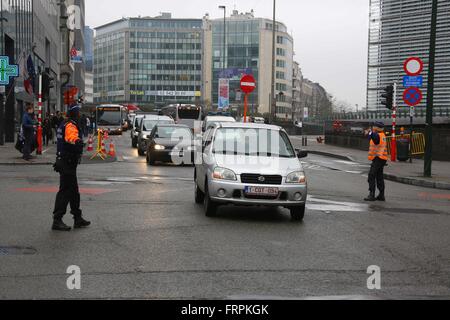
<point x="7" y="71"/>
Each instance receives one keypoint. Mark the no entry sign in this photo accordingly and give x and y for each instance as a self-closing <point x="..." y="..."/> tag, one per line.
<point x="248" y="84"/>
<point x="413" y="66"/>
<point x="412" y="96"/>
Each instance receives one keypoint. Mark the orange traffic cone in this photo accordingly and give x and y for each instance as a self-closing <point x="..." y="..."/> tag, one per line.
<point x="90" y="147"/>
<point x="112" y="150"/>
<point x="103" y="151"/>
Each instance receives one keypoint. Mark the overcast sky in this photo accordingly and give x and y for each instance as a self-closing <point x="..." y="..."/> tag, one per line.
<point x="331" y="37"/>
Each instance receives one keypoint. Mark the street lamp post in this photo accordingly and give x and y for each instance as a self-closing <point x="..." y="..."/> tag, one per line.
<point x="224" y="35"/>
<point x="273" y="102"/>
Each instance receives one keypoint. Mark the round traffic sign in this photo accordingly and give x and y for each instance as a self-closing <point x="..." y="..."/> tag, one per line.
<point x="413" y="66"/>
<point x="248" y="83"/>
<point x="412" y="96"/>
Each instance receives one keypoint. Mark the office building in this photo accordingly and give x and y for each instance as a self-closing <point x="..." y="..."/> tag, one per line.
<point x="400" y="29"/>
<point x="28" y="28"/>
<point x="149" y="61"/>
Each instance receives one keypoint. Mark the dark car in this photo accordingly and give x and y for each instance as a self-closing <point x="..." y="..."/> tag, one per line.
<point x="171" y="144"/>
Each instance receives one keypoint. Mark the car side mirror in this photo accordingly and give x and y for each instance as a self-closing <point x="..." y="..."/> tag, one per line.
<point x="302" y="154"/>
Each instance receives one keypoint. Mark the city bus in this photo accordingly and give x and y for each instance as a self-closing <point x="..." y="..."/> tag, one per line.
<point x="110" y="118"/>
<point x="186" y="114"/>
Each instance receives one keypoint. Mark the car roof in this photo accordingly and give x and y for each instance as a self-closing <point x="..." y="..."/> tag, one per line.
<point x="173" y="125"/>
<point x="220" y="118"/>
<point x="155" y="117"/>
<point x="240" y="125"/>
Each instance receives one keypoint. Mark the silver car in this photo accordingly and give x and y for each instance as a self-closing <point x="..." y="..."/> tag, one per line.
<point x="250" y="165"/>
<point x="147" y="125"/>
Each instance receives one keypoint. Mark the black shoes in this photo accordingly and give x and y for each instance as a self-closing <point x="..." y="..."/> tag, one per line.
<point x="371" y="198"/>
<point x="59" y="225"/>
<point x="81" y="223"/>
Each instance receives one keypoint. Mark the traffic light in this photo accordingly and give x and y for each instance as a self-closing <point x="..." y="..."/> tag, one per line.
<point x="388" y="97"/>
<point x="47" y="84"/>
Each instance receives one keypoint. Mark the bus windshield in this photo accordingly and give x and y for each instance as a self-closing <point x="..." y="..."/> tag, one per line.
<point x="109" y="117"/>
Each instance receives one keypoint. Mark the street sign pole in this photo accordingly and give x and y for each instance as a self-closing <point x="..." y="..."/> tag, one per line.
<point x="394" y="127"/>
<point x="430" y="93"/>
<point x="245" y="107"/>
<point x="39" y="130"/>
<point x="411" y="141"/>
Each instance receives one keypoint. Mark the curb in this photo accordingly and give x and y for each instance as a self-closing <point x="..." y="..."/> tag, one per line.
<point x="332" y="155"/>
<point x="417" y="182"/>
<point x="25" y="164"/>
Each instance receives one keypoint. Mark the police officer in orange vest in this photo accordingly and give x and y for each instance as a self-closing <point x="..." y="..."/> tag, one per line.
<point x="70" y="149"/>
<point x="378" y="154"/>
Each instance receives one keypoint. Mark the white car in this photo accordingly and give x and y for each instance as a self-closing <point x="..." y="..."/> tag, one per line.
<point x="250" y="165"/>
<point x="211" y="120"/>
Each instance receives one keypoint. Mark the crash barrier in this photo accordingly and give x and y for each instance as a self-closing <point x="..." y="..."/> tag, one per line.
<point x="418" y="143"/>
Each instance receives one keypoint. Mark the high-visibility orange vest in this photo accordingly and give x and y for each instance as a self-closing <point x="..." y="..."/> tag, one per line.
<point x="381" y="150"/>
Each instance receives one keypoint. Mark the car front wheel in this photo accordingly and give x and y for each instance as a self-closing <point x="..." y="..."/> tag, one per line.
<point x="298" y="213"/>
<point x="199" y="195"/>
<point x="210" y="206"/>
<point x="150" y="160"/>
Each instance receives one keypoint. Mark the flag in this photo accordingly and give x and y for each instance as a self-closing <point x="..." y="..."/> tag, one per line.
<point x="23" y="66"/>
<point x="30" y="82"/>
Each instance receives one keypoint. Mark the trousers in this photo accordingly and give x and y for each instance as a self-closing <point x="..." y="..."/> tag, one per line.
<point x="376" y="176"/>
<point x="68" y="194"/>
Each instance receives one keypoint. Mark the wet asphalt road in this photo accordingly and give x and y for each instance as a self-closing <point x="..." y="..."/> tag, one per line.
<point x="150" y="240"/>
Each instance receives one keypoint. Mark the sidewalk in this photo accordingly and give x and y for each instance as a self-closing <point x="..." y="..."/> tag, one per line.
<point x="9" y="156"/>
<point x="402" y="172"/>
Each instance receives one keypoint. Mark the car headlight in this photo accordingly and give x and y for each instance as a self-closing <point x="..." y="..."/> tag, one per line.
<point x="297" y="177"/>
<point x="224" y="174"/>
<point x="159" y="147"/>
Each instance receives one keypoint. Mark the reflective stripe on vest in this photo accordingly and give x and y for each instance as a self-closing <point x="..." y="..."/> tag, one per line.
<point x="379" y="151"/>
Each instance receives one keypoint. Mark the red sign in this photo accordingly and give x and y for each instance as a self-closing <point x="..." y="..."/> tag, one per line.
<point x="412" y="96"/>
<point x="413" y="66"/>
<point x="248" y="84"/>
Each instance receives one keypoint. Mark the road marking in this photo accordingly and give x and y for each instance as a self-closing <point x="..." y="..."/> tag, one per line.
<point x="86" y="191"/>
<point x="317" y="204"/>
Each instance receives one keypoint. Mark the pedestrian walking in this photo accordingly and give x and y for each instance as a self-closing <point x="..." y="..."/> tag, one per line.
<point x="54" y="123"/>
<point x="378" y="154"/>
<point x="69" y="151"/>
<point x="29" y="132"/>
<point x="88" y="126"/>
<point x="83" y="123"/>
<point x="46" y="131"/>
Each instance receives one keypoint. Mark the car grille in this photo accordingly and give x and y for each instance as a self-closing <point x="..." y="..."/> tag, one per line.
<point x="261" y="179"/>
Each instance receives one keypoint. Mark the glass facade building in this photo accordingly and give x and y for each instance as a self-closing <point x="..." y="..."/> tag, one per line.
<point x="248" y="49"/>
<point x="149" y="61"/>
<point x="400" y="29"/>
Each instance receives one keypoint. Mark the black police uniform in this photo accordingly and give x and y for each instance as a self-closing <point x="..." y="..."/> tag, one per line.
<point x="68" y="159"/>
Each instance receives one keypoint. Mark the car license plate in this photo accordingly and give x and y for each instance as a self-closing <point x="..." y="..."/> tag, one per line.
<point x="261" y="191"/>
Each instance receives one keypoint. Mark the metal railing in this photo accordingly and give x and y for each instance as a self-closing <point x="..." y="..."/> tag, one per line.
<point x="443" y="112"/>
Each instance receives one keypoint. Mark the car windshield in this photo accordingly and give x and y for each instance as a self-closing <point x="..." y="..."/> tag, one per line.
<point x="148" y="125"/>
<point x="253" y="142"/>
<point x="175" y="133"/>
